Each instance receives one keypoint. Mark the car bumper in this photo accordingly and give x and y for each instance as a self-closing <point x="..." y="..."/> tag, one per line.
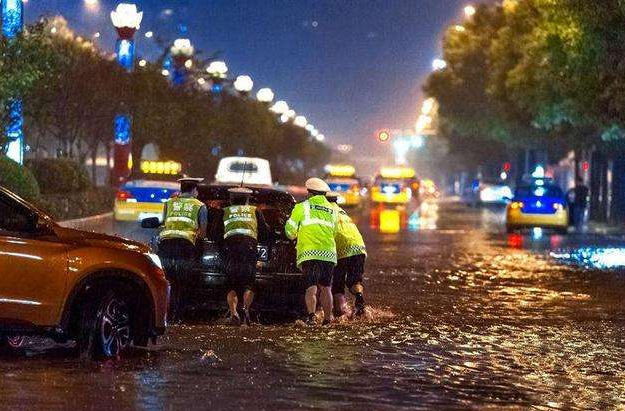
<point x="517" y="218"/>
<point x="125" y="211"/>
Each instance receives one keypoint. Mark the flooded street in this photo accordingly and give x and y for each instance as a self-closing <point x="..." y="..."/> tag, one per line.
<point x="463" y="316"/>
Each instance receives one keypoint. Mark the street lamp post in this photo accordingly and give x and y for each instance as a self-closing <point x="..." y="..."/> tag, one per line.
<point x="12" y="26"/>
<point x="127" y="20"/>
<point x="181" y="53"/>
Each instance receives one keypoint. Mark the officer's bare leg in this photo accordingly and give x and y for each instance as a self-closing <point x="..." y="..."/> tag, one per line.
<point x="233" y="302"/>
<point x="340" y="304"/>
<point x="311" y="299"/>
<point x="326" y="303"/>
<point x="248" y="298"/>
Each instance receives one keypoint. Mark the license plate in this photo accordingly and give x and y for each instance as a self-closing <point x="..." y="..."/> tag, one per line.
<point x="263" y="253"/>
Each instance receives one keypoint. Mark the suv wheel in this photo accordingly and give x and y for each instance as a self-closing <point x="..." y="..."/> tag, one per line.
<point x="106" y="326"/>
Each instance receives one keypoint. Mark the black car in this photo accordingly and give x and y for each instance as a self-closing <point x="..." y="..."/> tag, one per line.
<point x="279" y="283"/>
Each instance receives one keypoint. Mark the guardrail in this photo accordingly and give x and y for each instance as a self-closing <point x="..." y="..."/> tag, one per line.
<point x="89" y="222"/>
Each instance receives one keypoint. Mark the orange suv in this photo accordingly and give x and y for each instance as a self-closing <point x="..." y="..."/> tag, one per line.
<point x="103" y="292"/>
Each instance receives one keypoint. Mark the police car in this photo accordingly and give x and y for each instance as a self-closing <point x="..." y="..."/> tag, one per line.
<point x="538" y="203"/>
<point x="145" y="194"/>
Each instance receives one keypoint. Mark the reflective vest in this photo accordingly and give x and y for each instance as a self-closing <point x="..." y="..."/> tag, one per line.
<point x="313" y="222"/>
<point x="240" y="220"/>
<point x="349" y="241"/>
<point x="181" y="219"/>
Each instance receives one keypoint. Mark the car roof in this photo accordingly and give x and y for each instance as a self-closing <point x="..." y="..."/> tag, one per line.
<point x="260" y="194"/>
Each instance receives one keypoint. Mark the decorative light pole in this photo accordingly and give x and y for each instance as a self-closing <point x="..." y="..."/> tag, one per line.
<point x="12" y="26"/>
<point x="127" y="20"/>
<point x="218" y="71"/>
<point x="265" y="95"/>
<point x="244" y="84"/>
<point x="181" y="53"/>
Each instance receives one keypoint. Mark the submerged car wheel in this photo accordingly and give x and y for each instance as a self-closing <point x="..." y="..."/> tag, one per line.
<point x="106" y="327"/>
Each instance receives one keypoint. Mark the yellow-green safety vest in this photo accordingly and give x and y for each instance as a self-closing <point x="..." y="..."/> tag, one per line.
<point x="349" y="241"/>
<point x="240" y="220"/>
<point x="181" y="219"/>
<point x="313" y="222"/>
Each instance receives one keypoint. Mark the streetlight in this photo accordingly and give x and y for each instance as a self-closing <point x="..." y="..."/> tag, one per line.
<point x="280" y="107"/>
<point x="265" y="95"/>
<point x="310" y="127"/>
<point x="439" y="64"/>
<point x="459" y="28"/>
<point x="244" y="84"/>
<point x="320" y="137"/>
<point x="290" y="113"/>
<point x="181" y="53"/>
<point x="300" y="121"/>
<point x="12" y="25"/>
<point x="218" y="71"/>
<point x="469" y="11"/>
<point x="284" y="118"/>
<point x="127" y="20"/>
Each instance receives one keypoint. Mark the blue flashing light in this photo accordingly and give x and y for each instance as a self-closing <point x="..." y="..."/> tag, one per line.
<point x="126" y="53"/>
<point x="12" y="18"/>
<point x="539" y="172"/>
<point x="122" y="129"/>
<point x="217" y="88"/>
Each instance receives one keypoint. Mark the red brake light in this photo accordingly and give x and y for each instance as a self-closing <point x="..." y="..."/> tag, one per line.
<point x="123" y="195"/>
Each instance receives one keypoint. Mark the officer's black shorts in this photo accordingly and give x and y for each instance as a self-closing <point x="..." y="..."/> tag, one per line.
<point x="240" y="257"/>
<point x="348" y="271"/>
<point x="317" y="273"/>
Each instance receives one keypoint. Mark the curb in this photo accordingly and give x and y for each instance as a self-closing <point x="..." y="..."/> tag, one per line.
<point x="79" y="222"/>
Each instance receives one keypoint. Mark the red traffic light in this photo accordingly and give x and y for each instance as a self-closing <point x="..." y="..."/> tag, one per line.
<point x="507" y="166"/>
<point x="384" y="136"/>
<point x="585" y="166"/>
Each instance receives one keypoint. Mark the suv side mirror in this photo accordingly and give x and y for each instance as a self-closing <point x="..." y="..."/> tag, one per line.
<point x="151" y="222"/>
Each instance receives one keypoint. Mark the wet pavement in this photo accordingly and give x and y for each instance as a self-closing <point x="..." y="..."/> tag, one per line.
<point x="462" y="316"/>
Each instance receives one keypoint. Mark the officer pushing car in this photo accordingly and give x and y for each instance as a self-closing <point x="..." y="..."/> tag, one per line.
<point x="242" y="222"/>
<point x="313" y="223"/>
<point x="351" y="255"/>
<point x="185" y="219"/>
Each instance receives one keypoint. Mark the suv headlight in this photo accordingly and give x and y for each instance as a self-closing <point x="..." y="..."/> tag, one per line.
<point x="156" y="260"/>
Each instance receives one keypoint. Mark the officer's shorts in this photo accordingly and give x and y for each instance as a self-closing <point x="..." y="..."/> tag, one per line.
<point x="240" y="257"/>
<point x="317" y="273"/>
<point x="348" y="271"/>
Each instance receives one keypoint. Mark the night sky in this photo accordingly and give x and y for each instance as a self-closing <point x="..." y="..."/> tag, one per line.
<point x="349" y="66"/>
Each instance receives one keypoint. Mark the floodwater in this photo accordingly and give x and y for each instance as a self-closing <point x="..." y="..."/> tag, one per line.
<point x="462" y="316"/>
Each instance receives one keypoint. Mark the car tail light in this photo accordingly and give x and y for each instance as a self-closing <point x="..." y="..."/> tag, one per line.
<point x="558" y="206"/>
<point x="516" y="205"/>
<point x="123" y="195"/>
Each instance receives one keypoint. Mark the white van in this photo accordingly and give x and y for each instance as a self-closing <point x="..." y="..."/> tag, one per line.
<point x="246" y="170"/>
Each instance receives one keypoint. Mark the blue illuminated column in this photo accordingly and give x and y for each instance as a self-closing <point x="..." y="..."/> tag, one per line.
<point x="127" y="20"/>
<point x="12" y="25"/>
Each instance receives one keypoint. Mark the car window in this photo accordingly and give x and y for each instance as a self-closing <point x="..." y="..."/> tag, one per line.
<point x="14" y="218"/>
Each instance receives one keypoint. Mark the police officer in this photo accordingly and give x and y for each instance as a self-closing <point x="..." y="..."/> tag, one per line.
<point x="313" y="223"/>
<point x="185" y="219"/>
<point x="351" y="254"/>
<point x="241" y="226"/>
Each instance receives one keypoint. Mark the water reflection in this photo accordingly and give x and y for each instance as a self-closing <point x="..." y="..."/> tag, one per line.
<point x="394" y="219"/>
<point x="594" y="257"/>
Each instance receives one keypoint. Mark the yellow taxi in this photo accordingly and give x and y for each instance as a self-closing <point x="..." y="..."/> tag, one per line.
<point x="537" y="204"/>
<point x="395" y="185"/>
<point x="342" y="179"/>
<point x="145" y="194"/>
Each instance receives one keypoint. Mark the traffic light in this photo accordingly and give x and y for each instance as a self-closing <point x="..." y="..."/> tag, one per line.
<point x="384" y="136"/>
<point x="507" y="166"/>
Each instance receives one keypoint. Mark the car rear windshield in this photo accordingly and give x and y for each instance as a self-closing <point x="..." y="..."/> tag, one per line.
<point x="240" y="167"/>
<point x="538" y="191"/>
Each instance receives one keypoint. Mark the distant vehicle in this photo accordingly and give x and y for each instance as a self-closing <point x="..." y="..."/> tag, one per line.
<point x="103" y="292"/>
<point x="487" y="192"/>
<point x="428" y="189"/>
<point x="342" y="179"/>
<point x="279" y="283"/>
<point x="395" y="185"/>
<point x="145" y="194"/>
<point x="244" y="170"/>
<point x="539" y="204"/>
